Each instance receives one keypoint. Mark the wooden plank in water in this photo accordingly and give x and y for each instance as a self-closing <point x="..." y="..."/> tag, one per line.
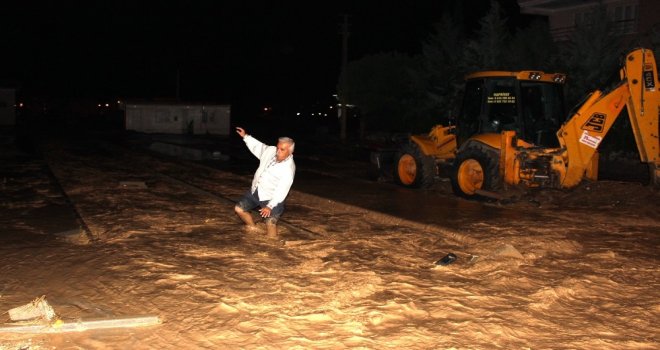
<point x="81" y="325"/>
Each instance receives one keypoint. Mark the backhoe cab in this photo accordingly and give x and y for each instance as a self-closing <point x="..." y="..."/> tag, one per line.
<point x="511" y="132"/>
<point x="528" y="102"/>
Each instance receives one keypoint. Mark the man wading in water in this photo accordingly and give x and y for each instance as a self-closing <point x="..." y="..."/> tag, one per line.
<point x="271" y="182"/>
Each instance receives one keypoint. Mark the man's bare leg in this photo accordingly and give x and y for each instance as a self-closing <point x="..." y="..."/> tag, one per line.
<point x="245" y="216"/>
<point x="271" y="229"/>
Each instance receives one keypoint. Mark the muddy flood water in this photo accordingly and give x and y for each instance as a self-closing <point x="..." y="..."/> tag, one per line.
<point x="354" y="266"/>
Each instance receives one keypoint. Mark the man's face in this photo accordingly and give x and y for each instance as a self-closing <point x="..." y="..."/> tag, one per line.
<point x="283" y="151"/>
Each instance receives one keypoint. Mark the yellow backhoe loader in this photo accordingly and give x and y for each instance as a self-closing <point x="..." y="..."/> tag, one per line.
<point x="511" y="132"/>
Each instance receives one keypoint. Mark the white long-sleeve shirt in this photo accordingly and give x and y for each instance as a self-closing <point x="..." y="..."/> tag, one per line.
<point x="272" y="178"/>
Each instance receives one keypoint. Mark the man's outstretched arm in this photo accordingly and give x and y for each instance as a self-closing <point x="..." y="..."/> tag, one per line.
<point x="255" y="146"/>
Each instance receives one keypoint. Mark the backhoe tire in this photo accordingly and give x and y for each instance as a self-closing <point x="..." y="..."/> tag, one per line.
<point x="412" y="168"/>
<point x="476" y="168"/>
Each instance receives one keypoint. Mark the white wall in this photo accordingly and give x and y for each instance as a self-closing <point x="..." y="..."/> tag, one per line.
<point x="178" y="119"/>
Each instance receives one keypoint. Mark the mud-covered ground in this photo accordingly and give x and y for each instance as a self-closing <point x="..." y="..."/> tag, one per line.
<point x="153" y="237"/>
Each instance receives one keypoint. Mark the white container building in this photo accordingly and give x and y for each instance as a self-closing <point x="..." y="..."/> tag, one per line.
<point x="177" y="118"/>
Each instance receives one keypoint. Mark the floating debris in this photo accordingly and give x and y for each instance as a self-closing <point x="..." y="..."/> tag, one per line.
<point x="133" y="185"/>
<point x="80" y="325"/>
<point x="39" y="317"/>
<point x="37" y="309"/>
<point x="447" y="259"/>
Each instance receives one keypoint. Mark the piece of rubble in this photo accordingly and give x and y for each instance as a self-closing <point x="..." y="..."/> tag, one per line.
<point x="37" y="309"/>
<point x="508" y="251"/>
<point x="133" y="185"/>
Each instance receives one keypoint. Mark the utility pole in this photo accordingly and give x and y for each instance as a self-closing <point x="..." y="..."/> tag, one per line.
<point x="343" y="112"/>
<point x="178" y="85"/>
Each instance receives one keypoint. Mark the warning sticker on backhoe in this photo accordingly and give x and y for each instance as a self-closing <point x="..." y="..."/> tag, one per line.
<point x="501" y="97"/>
<point x="649" y="79"/>
<point x="591" y="141"/>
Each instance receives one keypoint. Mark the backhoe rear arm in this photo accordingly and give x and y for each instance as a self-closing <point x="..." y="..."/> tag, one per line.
<point x="581" y="135"/>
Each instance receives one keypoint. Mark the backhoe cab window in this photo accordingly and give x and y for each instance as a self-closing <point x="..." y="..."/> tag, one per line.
<point x="542" y="112"/>
<point x="501" y="106"/>
<point x="533" y="109"/>
<point x="468" y="120"/>
<point x="489" y="106"/>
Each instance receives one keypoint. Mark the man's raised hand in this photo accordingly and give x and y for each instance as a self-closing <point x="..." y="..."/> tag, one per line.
<point x="240" y="131"/>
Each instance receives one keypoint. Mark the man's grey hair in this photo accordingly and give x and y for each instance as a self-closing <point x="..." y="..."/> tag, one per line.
<point x="288" y="140"/>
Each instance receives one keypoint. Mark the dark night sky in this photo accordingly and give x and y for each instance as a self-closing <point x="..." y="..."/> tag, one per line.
<point x="227" y="52"/>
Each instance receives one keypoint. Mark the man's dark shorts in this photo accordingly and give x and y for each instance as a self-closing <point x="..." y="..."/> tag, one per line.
<point x="250" y="201"/>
